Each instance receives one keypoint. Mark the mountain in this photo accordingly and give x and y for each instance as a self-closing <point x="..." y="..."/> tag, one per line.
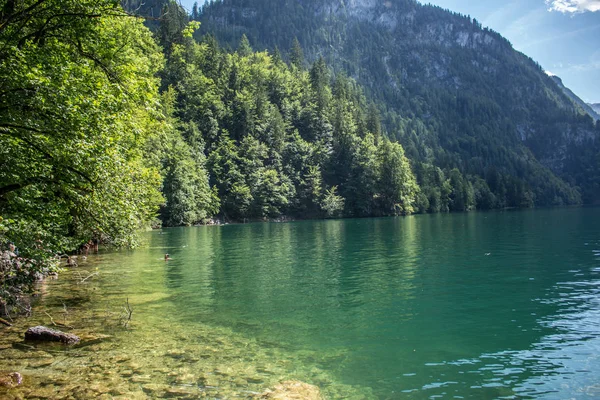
<point x="453" y="93"/>
<point x="584" y="106"/>
<point x="595" y="107"/>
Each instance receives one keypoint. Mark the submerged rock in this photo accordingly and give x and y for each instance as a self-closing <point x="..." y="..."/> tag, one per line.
<point x="42" y="333"/>
<point x="155" y="389"/>
<point x="41" y="363"/>
<point x="10" y="379"/>
<point x="182" y="392"/>
<point x="292" y="390"/>
<point x="186" y="379"/>
<point x="141" y="379"/>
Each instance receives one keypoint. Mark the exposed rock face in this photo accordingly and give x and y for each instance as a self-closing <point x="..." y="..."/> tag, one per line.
<point x="10" y="379"/>
<point x="42" y="333"/>
<point x="292" y="390"/>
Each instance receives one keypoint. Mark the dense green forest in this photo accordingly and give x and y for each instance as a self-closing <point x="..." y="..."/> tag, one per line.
<point x="106" y="130"/>
<point x="454" y="93"/>
<point x="111" y="123"/>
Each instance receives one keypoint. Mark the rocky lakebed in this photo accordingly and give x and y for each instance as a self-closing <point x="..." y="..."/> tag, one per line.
<point x="149" y="355"/>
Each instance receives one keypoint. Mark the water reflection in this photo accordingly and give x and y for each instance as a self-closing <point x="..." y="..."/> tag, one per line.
<point x="426" y="304"/>
<point x="478" y="305"/>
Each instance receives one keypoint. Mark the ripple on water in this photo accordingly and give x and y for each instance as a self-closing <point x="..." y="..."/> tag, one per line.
<point x="399" y="308"/>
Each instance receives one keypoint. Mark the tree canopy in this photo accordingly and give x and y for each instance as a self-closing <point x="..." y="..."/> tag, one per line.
<point x="78" y="101"/>
<point x="453" y="93"/>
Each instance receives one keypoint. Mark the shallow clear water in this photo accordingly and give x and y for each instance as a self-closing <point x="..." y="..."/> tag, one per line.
<point x="477" y="305"/>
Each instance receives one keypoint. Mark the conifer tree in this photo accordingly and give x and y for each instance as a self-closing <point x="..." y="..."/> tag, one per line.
<point x="244" y="49"/>
<point x="297" y="54"/>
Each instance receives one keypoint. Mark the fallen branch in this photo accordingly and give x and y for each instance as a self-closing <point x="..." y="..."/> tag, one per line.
<point x="126" y="317"/>
<point x="59" y="324"/>
<point x="87" y="277"/>
<point x="4" y="322"/>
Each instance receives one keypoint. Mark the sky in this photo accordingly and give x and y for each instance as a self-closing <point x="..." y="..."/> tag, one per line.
<point x="563" y="36"/>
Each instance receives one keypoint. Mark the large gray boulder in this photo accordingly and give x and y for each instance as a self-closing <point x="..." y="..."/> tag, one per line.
<point x="41" y="333"/>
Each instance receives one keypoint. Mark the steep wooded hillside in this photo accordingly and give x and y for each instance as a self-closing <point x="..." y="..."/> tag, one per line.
<point x="454" y="93"/>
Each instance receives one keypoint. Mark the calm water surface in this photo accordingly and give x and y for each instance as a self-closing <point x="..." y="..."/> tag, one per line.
<point x="477" y="305"/>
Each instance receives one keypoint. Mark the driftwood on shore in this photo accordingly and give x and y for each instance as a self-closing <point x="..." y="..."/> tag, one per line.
<point x="41" y="333"/>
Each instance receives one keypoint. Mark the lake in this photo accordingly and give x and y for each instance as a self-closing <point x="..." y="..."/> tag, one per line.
<point x="480" y="305"/>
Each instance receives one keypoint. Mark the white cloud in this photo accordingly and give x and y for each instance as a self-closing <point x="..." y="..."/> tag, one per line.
<point x="571" y="68"/>
<point x="553" y="38"/>
<point x="591" y="66"/>
<point x="573" y="6"/>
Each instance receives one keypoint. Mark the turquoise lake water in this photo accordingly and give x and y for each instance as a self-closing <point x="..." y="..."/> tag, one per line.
<point x="475" y="305"/>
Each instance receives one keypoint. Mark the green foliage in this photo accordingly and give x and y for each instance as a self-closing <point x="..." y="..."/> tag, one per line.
<point x="275" y="137"/>
<point x="454" y="94"/>
<point x="179" y="154"/>
<point x="297" y="54"/>
<point x="78" y="103"/>
<point x="244" y="48"/>
<point x="484" y="198"/>
<point x="173" y="28"/>
<point x="21" y="267"/>
<point x="189" y="198"/>
<point x="332" y="203"/>
<point x="95" y="120"/>
<point x="461" y="193"/>
<point x="398" y="187"/>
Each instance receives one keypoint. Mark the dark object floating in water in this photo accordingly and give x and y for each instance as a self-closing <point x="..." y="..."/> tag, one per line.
<point x="10" y="379"/>
<point x="42" y="333"/>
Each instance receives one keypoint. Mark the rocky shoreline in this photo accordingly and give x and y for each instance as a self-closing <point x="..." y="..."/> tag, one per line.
<point x="48" y="373"/>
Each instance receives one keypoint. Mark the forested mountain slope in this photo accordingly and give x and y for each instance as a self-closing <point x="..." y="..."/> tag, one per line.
<point x="454" y="93"/>
<point x="584" y="106"/>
